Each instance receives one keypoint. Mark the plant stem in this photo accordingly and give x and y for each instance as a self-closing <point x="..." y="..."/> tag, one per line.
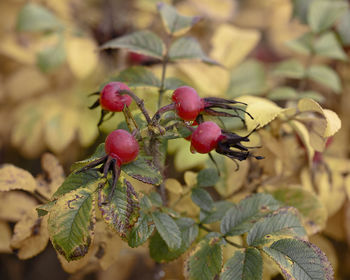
<point x="164" y="66"/>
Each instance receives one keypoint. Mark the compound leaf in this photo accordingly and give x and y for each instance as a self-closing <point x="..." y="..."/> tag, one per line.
<point x="138" y="76"/>
<point x="77" y="180"/>
<point x="202" y="198"/>
<point x="290" y="69"/>
<point x="99" y="152"/>
<point x="241" y="218"/>
<point x="326" y="76"/>
<point x="159" y="250"/>
<point x="143" y="42"/>
<point x="283" y="93"/>
<point x="244" y="265"/>
<point x="71" y="222"/>
<point x="217" y="212"/>
<point x="205" y="261"/>
<point x="143" y="170"/>
<point x="300" y="260"/>
<point x="323" y="14"/>
<point x="121" y="212"/>
<point x="188" y="48"/>
<point x="168" y="230"/>
<point x="175" y="23"/>
<point x="207" y="177"/>
<point x="283" y="222"/>
<point x="343" y="28"/>
<point x="302" y="44"/>
<point x="173" y="83"/>
<point x="141" y="231"/>
<point x="51" y="57"/>
<point x="328" y="45"/>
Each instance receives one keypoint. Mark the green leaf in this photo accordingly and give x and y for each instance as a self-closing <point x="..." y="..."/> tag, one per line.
<point x="300" y="260"/>
<point x="244" y="265"/>
<point x="44" y="209"/>
<point x="188" y="48"/>
<point x="143" y="170"/>
<point x="141" y="231"/>
<point x="155" y="199"/>
<point x="343" y="28"/>
<point x="217" y="212"/>
<point x="313" y="212"/>
<point x="325" y="76"/>
<point x="121" y="212"/>
<point x="207" y="177"/>
<point x="202" y="198"/>
<point x="323" y="14"/>
<point x="175" y="23"/>
<point x="173" y="83"/>
<point x="290" y="69"/>
<point x="159" y="250"/>
<point x="318" y="97"/>
<point x="34" y="17"/>
<point x="99" y="152"/>
<point x="205" y="261"/>
<point x="328" y="45"/>
<point x="283" y="93"/>
<point x="241" y="218"/>
<point x="283" y="222"/>
<point x="71" y="222"/>
<point x="168" y="230"/>
<point x="249" y="78"/>
<point x="143" y="42"/>
<point x="51" y="57"/>
<point x="77" y="180"/>
<point x="301" y="8"/>
<point x="138" y="76"/>
<point x="303" y="44"/>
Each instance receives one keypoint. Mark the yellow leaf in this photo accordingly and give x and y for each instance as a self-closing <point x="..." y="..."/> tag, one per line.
<point x="11" y="48"/>
<point x="82" y="56"/>
<point x="190" y="178"/>
<point x="30" y="235"/>
<point x="14" y="204"/>
<point x="232" y="44"/>
<point x="173" y="185"/>
<point x="304" y="136"/>
<point x="184" y="159"/>
<point x="87" y="129"/>
<point x="263" y="111"/>
<point x="309" y="105"/>
<point x="14" y="178"/>
<point x="5" y="237"/>
<point x="25" y="83"/>
<point x="210" y="8"/>
<point x="333" y="123"/>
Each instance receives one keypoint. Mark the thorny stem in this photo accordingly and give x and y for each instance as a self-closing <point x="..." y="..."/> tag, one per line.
<point x="140" y="103"/>
<point x="225" y="237"/>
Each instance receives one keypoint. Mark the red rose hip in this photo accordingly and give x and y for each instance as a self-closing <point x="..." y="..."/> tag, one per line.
<point x="112" y="100"/>
<point x="205" y="138"/>
<point x="122" y="146"/>
<point x="188" y="104"/>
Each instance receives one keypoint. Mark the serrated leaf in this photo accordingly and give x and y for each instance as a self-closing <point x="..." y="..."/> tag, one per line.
<point x="44" y="209"/>
<point x="244" y="265"/>
<point x="188" y="48"/>
<point x="202" y="198"/>
<point x="216" y="214"/>
<point x="168" y="230"/>
<point x="326" y="76"/>
<point x="138" y="76"/>
<point x="51" y="57"/>
<point x="333" y="123"/>
<point x="71" y="222"/>
<point x="143" y="42"/>
<point x="141" y="231"/>
<point x="121" y="212"/>
<point x="323" y="14"/>
<point x="207" y="177"/>
<point x="143" y="170"/>
<point x="290" y="69"/>
<point x="175" y="23"/>
<point x="205" y="261"/>
<point x="34" y="17"/>
<point x="15" y="178"/>
<point x="155" y="199"/>
<point x="77" y="180"/>
<point x="99" y="152"/>
<point x="283" y="222"/>
<point x="159" y="250"/>
<point x="327" y="45"/>
<point x="313" y="212"/>
<point x="300" y="260"/>
<point x="241" y="218"/>
<point x="302" y="44"/>
<point x="343" y="28"/>
<point x="247" y="78"/>
<point x="283" y="93"/>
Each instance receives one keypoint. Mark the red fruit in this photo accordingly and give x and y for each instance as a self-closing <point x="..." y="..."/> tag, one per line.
<point x="136" y="58"/>
<point x="187" y="103"/>
<point x="112" y="100"/>
<point x="205" y="138"/>
<point x="122" y="146"/>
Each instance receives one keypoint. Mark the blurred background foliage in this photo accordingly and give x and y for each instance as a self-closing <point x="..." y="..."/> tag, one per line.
<point x="50" y="62"/>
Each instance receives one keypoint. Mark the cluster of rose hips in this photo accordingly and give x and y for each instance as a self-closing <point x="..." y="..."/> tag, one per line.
<point x="122" y="147"/>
